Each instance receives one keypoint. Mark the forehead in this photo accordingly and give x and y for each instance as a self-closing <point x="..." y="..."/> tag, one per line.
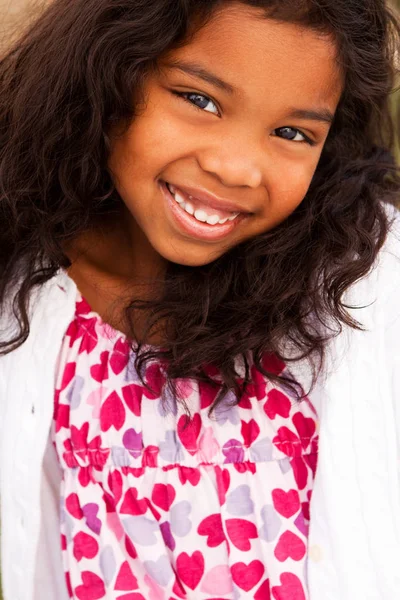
<point x="257" y="55"/>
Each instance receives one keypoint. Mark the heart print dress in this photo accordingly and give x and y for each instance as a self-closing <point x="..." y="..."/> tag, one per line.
<point x="156" y="505"/>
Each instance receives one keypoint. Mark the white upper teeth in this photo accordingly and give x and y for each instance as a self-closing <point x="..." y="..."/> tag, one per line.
<point x="198" y="214"/>
<point x="189" y="208"/>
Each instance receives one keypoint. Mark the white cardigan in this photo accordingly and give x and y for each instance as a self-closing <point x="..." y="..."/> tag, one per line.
<point x="354" y="544"/>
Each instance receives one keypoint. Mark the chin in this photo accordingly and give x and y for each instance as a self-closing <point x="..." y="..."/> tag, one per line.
<point x="191" y="258"/>
<point x="193" y="262"/>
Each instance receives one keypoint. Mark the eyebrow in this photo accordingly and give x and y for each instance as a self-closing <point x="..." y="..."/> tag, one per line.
<point x="198" y="71"/>
<point x="323" y="115"/>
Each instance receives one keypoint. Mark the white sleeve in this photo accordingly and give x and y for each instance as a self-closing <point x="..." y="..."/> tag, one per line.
<point x="49" y="572"/>
<point x="391" y="307"/>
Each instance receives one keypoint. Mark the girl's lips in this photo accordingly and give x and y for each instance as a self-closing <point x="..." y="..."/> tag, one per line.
<point x="190" y="226"/>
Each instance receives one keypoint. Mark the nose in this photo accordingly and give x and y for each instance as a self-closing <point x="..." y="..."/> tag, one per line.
<point x="236" y="162"/>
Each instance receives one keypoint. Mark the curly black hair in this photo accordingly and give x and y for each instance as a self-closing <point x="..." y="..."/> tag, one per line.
<point x="72" y="75"/>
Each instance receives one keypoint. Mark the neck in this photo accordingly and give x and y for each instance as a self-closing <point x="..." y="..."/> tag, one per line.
<point x="113" y="264"/>
<point x="118" y="248"/>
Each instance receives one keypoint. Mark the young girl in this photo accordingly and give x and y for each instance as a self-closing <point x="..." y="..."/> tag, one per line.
<point x="199" y="277"/>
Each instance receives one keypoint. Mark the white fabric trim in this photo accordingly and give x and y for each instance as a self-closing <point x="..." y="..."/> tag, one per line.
<point x="26" y="407"/>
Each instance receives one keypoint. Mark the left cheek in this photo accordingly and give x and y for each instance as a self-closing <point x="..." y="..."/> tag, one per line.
<point x="290" y="185"/>
<point x="285" y="192"/>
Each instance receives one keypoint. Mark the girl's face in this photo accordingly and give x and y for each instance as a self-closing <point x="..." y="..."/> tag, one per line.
<point x="234" y="123"/>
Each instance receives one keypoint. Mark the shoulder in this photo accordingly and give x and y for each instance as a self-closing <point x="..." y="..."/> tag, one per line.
<point x="374" y="302"/>
<point x="363" y="358"/>
<point x="50" y="307"/>
<point x="388" y="265"/>
<point x="376" y="297"/>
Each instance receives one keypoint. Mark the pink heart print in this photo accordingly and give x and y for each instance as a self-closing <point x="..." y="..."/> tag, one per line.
<point x="190" y="568"/>
<point x="305" y="428"/>
<point x="277" y="404"/>
<point x="73" y="506"/>
<point x="112" y="413"/>
<point x="223" y="482"/>
<point x="132" y="596"/>
<point x="130" y="548"/>
<point x="290" y="546"/>
<point x="189" y="474"/>
<point x="132" y="505"/>
<point x="132" y="394"/>
<point x="85" y="546"/>
<point x="291" y="588"/>
<point x="99" y="371"/>
<point x="90" y="511"/>
<point x="120" y="356"/>
<point x="126" y="581"/>
<point x="247" y="576"/>
<point x="92" y="587"/>
<point x="250" y="432"/>
<point x="217" y="581"/>
<point x="163" y="495"/>
<point x="240" y="533"/>
<point x="263" y="592"/>
<point x="300" y="472"/>
<point x="272" y="363"/>
<point x="286" y="503"/>
<point x="287" y="442"/>
<point x="115" y="484"/>
<point x="188" y="432"/>
<point x="68" y="375"/>
<point x="211" y="527"/>
<point x="207" y="393"/>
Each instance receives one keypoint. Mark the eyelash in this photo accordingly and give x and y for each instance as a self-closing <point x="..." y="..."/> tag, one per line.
<point x="184" y="96"/>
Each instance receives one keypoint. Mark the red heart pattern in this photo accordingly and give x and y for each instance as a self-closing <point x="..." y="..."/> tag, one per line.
<point x="240" y="533"/>
<point x="120" y="356"/>
<point x="112" y="413"/>
<point x="150" y="513"/>
<point x="286" y="503"/>
<point x="189" y="474"/>
<point x="132" y="394"/>
<point x="223" y="479"/>
<point x="208" y="394"/>
<point x="212" y="528"/>
<point x="126" y="581"/>
<point x="73" y="506"/>
<point x="305" y="428"/>
<point x="277" y="404"/>
<point x="100" y="372"/>
<point x="92" y="587"/>
<point x="132" y="596"/>
<point x="247" y="576"/>
<point x="163" y="495"/>
<point x="250" y="431"/>
<point x="263" y="592"/>
<point x="190" y="568"/>
<point x="131" y="504"/>
<point x="188" y="432"/>
<point x="291" y="588"/>
<point x="290" y="546"/>
<point x="300" y="472"/>
<point x="85" y="546"/>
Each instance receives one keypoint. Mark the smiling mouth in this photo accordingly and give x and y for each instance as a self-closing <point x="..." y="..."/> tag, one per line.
<point x="198" y="210"/>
